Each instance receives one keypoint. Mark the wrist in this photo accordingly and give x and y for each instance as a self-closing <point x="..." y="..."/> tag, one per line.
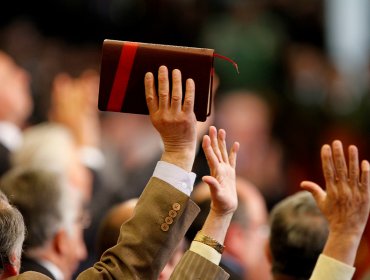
<point x="216" y="225"/>
<point x="182" y="159"/>
<point x="342" y="246"/>
<point x="348" y="239"/>
<point x="209" y="241"/>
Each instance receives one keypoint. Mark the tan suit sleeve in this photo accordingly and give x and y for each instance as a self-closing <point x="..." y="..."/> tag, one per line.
<point x="193" y="266"/>
<point x="162" y="216"/>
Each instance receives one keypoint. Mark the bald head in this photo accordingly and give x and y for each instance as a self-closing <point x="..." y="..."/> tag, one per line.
<point x="245" y="115"/>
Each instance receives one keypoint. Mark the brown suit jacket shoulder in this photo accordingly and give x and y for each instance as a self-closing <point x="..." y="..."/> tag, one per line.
<point x="29" y="275"/>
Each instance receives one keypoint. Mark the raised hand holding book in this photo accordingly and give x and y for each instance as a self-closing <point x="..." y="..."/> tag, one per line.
<point x="124" y="64"/>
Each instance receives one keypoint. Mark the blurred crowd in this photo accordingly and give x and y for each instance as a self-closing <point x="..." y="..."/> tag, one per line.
<point x="286" y="102"/>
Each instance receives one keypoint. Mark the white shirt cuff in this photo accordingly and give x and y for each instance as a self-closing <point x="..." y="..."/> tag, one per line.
<point x="206" y="252"/>
<point x="175" y="176"/>
<point x="331" y="269"/>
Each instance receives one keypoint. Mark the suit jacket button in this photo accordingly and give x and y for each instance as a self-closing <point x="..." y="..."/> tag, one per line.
<point x="172" y="213"/>
<point x="168" y="220"/>
<point x="176" y="206"/>
<point x="165" y="227"/>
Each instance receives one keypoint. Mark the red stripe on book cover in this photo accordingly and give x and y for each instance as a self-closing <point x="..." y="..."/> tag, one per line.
<point x="122" y="76"/>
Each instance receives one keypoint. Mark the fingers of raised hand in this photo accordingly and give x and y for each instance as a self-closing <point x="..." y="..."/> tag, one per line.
<point x="176" y="90"/>
<point x="164" y="100"/>
<point x="327" y="166"/>
<point x="163" y="87"/>
<point x="189" y="96"/>
<point x="209" y="152"/>
<point x="233" y="154"/>
<point x="339" y="161"/>
<point x="365" y="176"/>
<point x="150" y="93"/>
<point x="354" y="170"/>
<point x="222" y="145"/>
<point x="214" y="143"/>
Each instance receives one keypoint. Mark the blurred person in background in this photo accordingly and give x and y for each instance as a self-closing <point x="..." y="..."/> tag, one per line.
<point x="248" y="117"/>
<point x="12" y="232"/>
<point x="54" y="216"/>
<point x="73" y="105"/>
<point x="16" y="107"/>
<point x="298" y="234"/>
<point x="51" y="146"/>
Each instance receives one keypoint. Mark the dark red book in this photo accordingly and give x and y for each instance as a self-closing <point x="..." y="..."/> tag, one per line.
<point x="124" y="64"/>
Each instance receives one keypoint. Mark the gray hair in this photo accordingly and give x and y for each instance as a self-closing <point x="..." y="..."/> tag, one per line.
<point x="12" y="229"/>
<point x="298" y="235"/>
<point x="45" y="201"/>
<point x="46" y="145"/>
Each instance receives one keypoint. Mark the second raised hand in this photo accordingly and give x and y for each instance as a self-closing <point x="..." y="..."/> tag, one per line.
<point x="222" y="180"/>
<point x="346" y="202"/>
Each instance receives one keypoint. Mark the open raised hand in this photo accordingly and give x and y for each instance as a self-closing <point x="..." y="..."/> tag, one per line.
<point x="222" y="167"/>
<point x="345" y="203"/>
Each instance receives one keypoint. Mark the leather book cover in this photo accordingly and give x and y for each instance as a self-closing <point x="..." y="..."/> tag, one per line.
<point x="124" y="64"/>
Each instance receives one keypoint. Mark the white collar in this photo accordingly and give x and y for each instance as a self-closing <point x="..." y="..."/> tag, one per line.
<point x="10" y="135"/>
<point x="53" y="269"/>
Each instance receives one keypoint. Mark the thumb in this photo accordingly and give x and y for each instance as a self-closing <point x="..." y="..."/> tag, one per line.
<point x="317" y="192"/>
<point x="211" y="182"/>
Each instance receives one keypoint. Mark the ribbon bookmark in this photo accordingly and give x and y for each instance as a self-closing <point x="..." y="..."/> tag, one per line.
<point x="227" y="59"/>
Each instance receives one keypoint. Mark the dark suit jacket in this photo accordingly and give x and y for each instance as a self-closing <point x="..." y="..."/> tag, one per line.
<point x="28" y="264"/>
<point x="234" y="269"/>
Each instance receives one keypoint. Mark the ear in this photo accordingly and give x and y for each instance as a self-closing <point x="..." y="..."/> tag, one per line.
<point x="9" y="270"/>
<point x="60" y="242"/>
<point x="12" y="268"/>
<point x="268" y="251"/>
<point x="234" y="240"/>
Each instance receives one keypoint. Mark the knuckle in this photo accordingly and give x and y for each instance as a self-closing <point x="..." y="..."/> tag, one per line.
<point x="149" y="98"/>
<point x="176" y="98"/>
<point x="162" y="94"/>
<point x="188" y="102"/>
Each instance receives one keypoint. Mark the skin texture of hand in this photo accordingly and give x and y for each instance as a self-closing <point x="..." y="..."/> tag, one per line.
<point x="222" y="183"/>
<point x="174" y="120"/>
<point x="74" y="102"/>
<point x="345" y="203"/>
